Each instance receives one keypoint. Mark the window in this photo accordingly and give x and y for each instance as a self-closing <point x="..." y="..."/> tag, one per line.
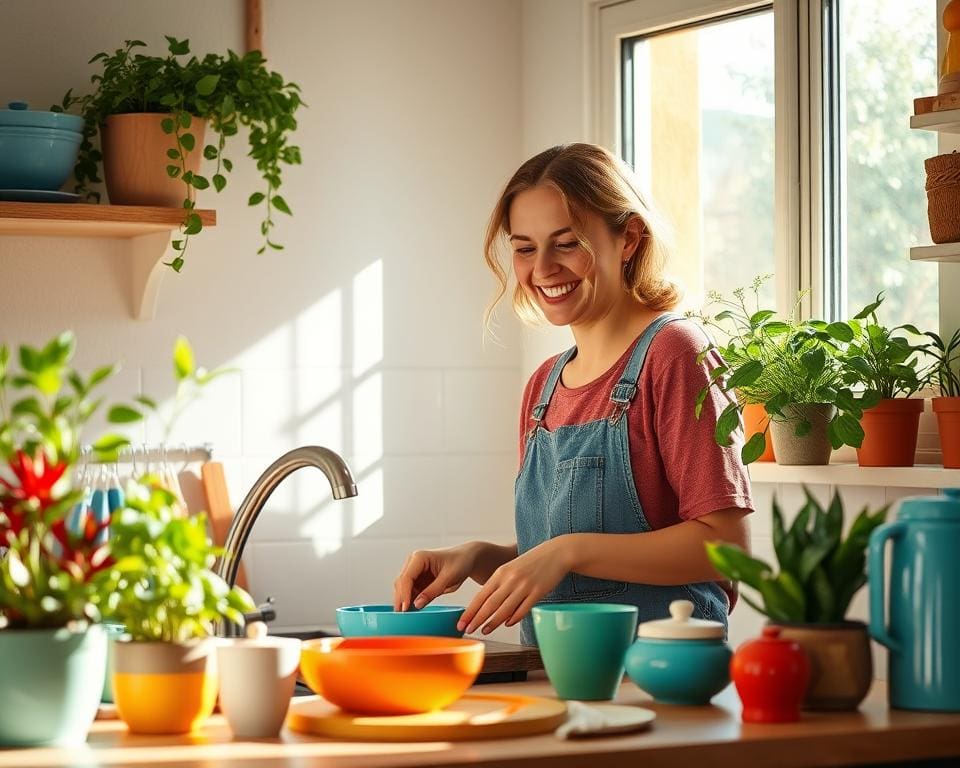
<point x="776" y="138"/>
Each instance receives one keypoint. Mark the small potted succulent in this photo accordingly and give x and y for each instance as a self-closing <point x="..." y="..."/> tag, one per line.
<point x="169" y="600"/>
<point x="945" y="375"/>
<point x="819" y="572"/>
<point x="151" y="112"/>
<point x="52" y="650"/>
<point x="788" y="368"/>
<point x="886" y="365"/>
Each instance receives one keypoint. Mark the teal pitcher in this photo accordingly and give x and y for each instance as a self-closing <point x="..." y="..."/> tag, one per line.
<point x="924" y="632"/>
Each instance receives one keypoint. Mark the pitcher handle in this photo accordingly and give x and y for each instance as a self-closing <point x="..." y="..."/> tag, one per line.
<point x="877" y="581"/>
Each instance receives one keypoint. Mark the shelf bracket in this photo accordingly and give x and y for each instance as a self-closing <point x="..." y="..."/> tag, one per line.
<point x="146" y="272"/>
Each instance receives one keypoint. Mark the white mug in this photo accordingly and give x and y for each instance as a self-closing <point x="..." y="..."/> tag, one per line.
<point x="257" y="678"/>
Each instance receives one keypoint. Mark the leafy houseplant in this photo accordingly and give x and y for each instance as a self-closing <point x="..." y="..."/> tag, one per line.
<point x="945" y="374"/>
<point x="886" y="365"/>
<point x="819" y="572"/>
<point x="790" y="367"/>
<point x="228" y="91"/>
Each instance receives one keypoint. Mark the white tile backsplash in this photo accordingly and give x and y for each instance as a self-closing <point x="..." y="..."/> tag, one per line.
<point x="478" y="493"/>
<point x="480" y="410"/>
<point x="411" y="410"/>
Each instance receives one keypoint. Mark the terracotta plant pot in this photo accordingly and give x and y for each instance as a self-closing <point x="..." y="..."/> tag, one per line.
<point x="948" y="424"/>
<point x="841" y="666"/>
<point x="755" y="420"/>
<point x="890" y="433"/>
<point x="135" y="160"/>
<point x="810" y="449"/>
<point x="164" y="687"/>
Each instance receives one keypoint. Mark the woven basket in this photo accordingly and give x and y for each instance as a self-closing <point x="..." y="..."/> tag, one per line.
<point x="943" y="197"/>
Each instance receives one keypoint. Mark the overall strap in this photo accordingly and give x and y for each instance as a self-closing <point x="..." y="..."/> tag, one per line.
<point x="626" y="389"/>
<point x="551" y="384"/>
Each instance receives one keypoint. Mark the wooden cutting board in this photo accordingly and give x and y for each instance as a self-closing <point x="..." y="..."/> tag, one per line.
<point x="475" y="716"/>
<point x="507" y="657"/>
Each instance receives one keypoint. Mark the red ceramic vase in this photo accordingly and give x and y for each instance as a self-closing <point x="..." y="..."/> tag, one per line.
<point x="771" y="676"/>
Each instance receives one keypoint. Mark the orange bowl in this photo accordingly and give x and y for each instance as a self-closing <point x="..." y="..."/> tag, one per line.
<point x="391" y="675"/>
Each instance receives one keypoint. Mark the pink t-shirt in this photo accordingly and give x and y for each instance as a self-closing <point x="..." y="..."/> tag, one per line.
<point x="679" y="470"/>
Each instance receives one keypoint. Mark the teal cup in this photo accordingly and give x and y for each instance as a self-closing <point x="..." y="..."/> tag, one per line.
<point x="584" y="645"/>
<point x="113" y="631"/>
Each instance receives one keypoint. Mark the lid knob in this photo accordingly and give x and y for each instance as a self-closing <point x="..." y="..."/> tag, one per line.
<point x="18" y="105"/>
<point x="771" y="632"/>
<point x="256" y="630"/>
<point x="681" y="610"/>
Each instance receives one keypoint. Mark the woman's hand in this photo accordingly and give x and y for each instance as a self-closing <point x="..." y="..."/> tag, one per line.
<point x="515" y="587"/>
<point x="427" y="574"/>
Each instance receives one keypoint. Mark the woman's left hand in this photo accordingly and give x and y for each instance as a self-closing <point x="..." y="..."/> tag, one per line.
<point x="515" y="587"/>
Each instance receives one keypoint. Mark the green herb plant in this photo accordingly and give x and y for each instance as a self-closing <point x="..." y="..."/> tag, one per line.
<point x="227" y="91"/>
<point x="945" y="372"/>
<point x="818" y="572"/>
<point x="164" y="588"/>
<point x="776" y="363"/>
<point x="47" y="573"/>
<point x="884" y="364"/>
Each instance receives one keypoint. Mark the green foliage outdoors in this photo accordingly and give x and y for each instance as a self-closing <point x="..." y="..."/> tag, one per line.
<point x="819" y="571"/>
<point x="229" y="91"/>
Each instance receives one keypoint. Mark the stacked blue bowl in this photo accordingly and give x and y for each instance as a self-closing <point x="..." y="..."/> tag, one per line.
<point x="37" y="149"/>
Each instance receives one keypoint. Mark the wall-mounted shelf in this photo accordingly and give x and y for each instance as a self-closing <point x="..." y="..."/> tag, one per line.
<point x="947" y="121"/>
<point x="147" y="228"/>
<point x="942" y="252"/>
<point x="919" y="476"/>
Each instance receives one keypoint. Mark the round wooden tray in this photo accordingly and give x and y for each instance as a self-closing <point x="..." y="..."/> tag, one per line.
<point x="474" y="716"/>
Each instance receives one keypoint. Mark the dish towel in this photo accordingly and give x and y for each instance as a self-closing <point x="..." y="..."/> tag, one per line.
<point x="600" y="719"/>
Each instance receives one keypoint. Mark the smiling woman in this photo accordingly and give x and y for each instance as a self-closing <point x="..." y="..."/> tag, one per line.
<point x="619" y="487"/>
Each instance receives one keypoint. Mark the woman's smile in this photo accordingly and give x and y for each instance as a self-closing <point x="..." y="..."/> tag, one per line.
<point x="555" y="294"/>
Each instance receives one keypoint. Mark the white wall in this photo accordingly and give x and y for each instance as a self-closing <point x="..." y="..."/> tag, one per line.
<point x="365" y="334"/>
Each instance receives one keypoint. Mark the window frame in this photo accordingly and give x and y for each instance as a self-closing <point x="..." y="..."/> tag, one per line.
<point x="801" y="109"/>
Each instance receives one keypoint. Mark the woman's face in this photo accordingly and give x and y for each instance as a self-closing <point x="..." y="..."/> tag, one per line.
<point x="554" y="270"/>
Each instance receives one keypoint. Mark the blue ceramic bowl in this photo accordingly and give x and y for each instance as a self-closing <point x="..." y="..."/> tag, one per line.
<point x="687" y="672"/>
<point x="371" y="620"/>
<point x="37" y="149"/>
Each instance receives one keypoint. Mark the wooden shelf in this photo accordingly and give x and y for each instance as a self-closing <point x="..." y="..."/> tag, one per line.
<point x="947" y="120"/>
<point x="942" y="252"/>
<point x="147" y="228"/>
<point x="81" y="220"/>
<point x="919" y="476"/>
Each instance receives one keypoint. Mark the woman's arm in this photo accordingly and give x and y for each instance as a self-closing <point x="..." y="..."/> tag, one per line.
<point x="671" y="555"/>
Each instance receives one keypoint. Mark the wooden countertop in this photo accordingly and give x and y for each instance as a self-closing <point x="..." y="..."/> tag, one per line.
<point x="706" y="737"/>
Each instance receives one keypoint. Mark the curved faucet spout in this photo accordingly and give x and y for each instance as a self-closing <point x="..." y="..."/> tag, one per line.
<point x="335" y="468"/>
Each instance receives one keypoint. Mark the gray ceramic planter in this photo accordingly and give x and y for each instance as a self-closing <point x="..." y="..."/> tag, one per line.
<point x="50" y="685"/>
<point x="812" y="448"/>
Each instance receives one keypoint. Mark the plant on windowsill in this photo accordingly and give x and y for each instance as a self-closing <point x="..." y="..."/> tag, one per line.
<point x="790" y="369"/>
<point x="945" y="374"/>
<point x="887" y="368"/>
<point x="818" y="574"/>
<point x="150" y="113"/>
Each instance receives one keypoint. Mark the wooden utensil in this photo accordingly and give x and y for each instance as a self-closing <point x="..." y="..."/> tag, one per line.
<point x="219" y="508"/>
<point x="474" y="716"/>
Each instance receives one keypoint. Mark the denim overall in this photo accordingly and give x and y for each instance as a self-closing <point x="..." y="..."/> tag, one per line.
<point x="578" y="479"/>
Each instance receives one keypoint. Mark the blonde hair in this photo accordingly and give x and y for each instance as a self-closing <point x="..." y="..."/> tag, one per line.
<point x="588" y="178"/>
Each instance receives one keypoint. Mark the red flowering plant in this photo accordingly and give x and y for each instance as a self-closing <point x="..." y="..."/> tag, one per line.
<point x="49" y="558"/>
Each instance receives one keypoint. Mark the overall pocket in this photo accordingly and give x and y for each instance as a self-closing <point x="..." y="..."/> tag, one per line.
<point x="576" y="506"/>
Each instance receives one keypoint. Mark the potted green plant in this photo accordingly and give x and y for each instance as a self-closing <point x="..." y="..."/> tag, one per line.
<point x="818" y="573"/>
<point x="945" y="374"/>
<point x="788" y="367"/>
<point x="885" y="364"/>
<point x="52" y="651"/>
<point x="169" y="600"/>
<point x="150" y="113"/>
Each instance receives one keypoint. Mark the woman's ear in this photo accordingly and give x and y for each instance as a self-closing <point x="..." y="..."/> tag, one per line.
<point x="632" y="234"/>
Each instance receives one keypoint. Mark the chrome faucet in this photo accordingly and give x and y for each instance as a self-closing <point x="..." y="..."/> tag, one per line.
<point x="328" y="462"/>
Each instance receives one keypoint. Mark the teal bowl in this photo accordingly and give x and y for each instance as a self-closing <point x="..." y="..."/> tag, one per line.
<point x="686" y="672"/>
<point x="373" y="620"/>
<point x="36" y="158"/>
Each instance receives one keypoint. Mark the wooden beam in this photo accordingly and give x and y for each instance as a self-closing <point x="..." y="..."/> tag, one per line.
<point x="254" y="23"/>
